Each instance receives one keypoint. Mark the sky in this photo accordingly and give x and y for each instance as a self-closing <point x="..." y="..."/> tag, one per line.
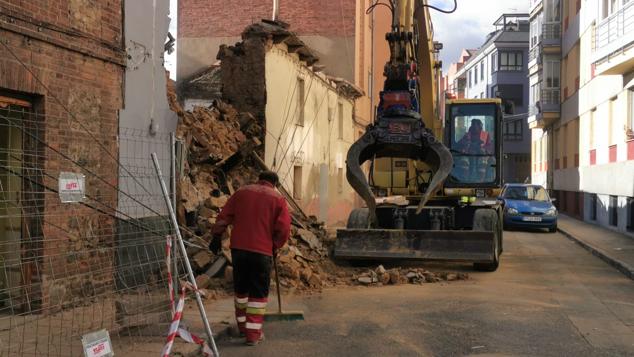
<point x="170" y="60"/>
<point x="469" y="25"/>
<point x="465" y="28"/>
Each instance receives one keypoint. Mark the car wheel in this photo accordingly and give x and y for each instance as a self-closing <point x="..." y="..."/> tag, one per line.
<point x="552" y="229"/>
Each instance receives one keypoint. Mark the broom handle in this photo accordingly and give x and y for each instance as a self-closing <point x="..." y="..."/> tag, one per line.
<point x="277" y="285"/>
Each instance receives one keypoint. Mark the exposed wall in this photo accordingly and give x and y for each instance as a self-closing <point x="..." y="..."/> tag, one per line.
<point x="314" y="146"/>
<point x="328" y="27"/>
<point x="145" y="102"/>
<point x="85" y="73"/>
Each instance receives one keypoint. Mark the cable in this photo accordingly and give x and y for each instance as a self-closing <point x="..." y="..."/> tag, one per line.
<point x="72" y="115"/>
<point x="376" y="4"/>
<point x="455" y="7"/>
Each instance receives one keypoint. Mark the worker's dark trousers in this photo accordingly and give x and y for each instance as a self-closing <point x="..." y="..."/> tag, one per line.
<point x="251" y="279"/>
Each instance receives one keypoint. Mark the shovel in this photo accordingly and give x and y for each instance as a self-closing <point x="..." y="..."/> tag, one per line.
<point x="281" y="315"/>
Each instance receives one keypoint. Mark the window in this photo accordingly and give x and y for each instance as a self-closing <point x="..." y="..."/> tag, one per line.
<point x="475" y="76"/>
<point x="552" y="71"/>
<point x="513" y="130"/>
<point x="340" y="120"/>
<point x="630" y="214"/>
<point x="592" y="131"/>
<point x="611" y="121"/>
<point x="300" y="101"/>
<point x="511" y="61"/>
<point x="493" y="62"/>
<point x="630" y="109"/>
<point x="297" y="182"/>
<point x="553" y="11"/>
<point x="614" y="212"/>
<point x="469" y="79"/>
<point x="482" y="70"/>
<point x="593" y="206"/>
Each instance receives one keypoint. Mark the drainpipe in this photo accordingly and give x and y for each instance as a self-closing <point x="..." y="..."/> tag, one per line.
<point x="276" y="9"/>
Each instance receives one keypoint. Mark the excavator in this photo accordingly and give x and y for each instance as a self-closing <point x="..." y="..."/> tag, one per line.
<point x="431" y="189"/>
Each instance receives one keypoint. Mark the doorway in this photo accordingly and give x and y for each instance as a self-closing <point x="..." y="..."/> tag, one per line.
<point x="21" y="204"/>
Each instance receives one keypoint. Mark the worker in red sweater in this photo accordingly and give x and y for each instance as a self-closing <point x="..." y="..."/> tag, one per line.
<point x="261" y="226"/>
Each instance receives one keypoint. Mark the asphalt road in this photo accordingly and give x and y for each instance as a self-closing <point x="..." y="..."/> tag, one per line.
<point x="548" y="298"/>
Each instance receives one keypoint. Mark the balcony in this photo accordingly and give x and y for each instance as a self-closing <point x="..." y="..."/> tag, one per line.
<point x="614" y="37"/>
<point x="546" y="110"/>
<point x="551" y="34"/>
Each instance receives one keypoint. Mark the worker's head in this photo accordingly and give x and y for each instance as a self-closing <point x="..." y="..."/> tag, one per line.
<point x="269" y="176"/>
<point x="476" y="126"/>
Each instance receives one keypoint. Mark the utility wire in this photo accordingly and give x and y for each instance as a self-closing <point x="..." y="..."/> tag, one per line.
<point x="90" y="134"/>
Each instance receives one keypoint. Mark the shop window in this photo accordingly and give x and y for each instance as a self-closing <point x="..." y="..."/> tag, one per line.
<point x="614" y="210"/>
<point x="593" y="206"/>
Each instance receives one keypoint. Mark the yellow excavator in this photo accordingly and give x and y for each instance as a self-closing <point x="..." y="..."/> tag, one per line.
<point x="432" y="187"/>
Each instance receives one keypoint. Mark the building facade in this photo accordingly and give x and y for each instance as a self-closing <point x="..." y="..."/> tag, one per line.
<point x="586" y="153"/>
<point x="60" y="93"/>
<point x="499" y="70"/>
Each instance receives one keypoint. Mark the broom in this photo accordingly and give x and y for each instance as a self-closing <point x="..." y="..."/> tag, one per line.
<point x="281" y="315"/>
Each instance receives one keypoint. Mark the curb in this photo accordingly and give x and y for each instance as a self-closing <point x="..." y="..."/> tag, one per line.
<point x="600" y="253"/>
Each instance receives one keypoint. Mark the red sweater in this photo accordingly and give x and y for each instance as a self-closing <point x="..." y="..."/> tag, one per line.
<point x="260" y="219"/>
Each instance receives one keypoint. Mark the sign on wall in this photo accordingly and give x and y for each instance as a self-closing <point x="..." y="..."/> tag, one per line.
<point x="97" y="344"/>
<point x="72" y="187"/>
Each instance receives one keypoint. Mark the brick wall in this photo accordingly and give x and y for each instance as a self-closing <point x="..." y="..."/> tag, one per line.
<point x="75" y="48"/>
<point x="218" y="18"/>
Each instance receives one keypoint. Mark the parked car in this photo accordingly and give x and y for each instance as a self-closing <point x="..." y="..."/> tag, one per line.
<point x="528" y="206"/>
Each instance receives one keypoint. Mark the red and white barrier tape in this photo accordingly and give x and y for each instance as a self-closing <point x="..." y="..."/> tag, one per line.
<point x="170" y="280"/>
<point x="177" y="313"/>
<point x="176" y="320"/>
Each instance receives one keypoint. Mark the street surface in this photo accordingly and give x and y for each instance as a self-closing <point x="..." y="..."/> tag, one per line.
<point x="550" y="297"/>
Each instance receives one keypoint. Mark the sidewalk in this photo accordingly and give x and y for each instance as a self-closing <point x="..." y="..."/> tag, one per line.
<point x="614" y="248"/>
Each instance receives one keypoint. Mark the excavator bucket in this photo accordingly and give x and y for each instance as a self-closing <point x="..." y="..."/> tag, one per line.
<point x="385" y="244"/>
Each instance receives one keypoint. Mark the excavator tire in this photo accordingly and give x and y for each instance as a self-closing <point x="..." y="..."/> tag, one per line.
<point x="486" y="219"/>
<point x="359" y="219"/>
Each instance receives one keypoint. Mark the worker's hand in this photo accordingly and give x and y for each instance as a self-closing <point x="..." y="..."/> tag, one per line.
<point x="215" y="245"/>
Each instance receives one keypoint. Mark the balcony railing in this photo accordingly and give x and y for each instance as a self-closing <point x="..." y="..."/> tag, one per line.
<point x="549" y="102"/>
<point x="551" y="31"/>
<point x="617" y="30"/>
<point x="534" y="52"/>
<point x="550" y="96"/>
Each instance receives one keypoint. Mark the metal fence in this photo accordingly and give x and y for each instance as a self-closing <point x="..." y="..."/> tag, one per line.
<point x="95" y="262"/>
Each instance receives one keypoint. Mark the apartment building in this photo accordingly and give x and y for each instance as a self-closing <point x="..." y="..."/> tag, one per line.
<point x="498" y="69"/>
<point x="588" y="162"/>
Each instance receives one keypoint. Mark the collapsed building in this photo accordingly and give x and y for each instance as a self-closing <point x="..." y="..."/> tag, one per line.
<point x="307" y="117"/>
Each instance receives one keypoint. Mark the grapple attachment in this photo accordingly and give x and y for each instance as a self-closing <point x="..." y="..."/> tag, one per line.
<point x="399" y="134"/>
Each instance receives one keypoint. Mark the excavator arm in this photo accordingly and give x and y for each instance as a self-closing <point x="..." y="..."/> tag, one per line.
<point x="406" y="123"/>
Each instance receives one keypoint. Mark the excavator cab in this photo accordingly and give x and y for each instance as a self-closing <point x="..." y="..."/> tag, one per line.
<point x="473" y="136"/>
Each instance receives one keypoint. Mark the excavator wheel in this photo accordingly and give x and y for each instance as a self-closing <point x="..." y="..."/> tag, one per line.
<point x="359" y="219"/>
<point x="486" y="219"/>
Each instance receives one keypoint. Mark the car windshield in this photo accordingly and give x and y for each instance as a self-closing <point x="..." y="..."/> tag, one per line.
<point x="526" y="193"/>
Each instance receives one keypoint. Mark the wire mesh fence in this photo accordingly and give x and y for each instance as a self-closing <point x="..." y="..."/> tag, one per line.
<point x="70" y="268"/>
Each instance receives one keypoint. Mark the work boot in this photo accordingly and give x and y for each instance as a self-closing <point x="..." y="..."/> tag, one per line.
<point x="256" y="342"/>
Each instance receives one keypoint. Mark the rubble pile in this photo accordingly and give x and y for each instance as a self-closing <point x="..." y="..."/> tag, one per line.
<point x="395" y="276"/>
<point x="223" y="147"/>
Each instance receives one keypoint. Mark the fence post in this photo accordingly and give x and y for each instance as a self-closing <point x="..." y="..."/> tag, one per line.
<point x="181" y="245"/>
<point x="173" y="189"/>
